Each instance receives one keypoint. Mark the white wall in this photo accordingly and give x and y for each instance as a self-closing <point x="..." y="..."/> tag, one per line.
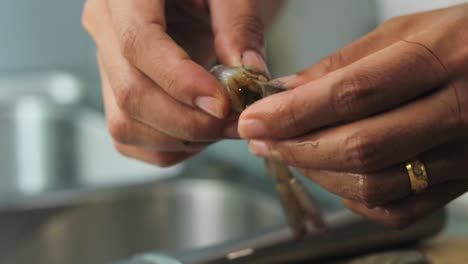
<point x="38" y="35"/>
<point x="47" y="33"/>
<point x="390" y="8"/>
<point x="311" y="29"/>
<point x="42" y="34"/>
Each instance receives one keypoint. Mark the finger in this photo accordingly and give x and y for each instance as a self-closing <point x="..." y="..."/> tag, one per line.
<point x="388" y="33"/>
<point x="403" y="213"/>
<point x="238" y="28"/>
<point x="162" y="159"/>
<point x="367" y="45"/>
<point x="140" y="28"/>
<point x="376" y="142"/>
<point x="371" y="85"/>
<point x="447" y="163"/>
<point x="128" y="131"/>
<point x="140" y="98"/>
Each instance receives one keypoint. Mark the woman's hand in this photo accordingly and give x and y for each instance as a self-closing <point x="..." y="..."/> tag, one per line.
<point x="161" y="104"/>
<point x="354" y="119"/>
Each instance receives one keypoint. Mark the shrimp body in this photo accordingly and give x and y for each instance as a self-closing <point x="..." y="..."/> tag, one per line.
<point x="244" y="87"/>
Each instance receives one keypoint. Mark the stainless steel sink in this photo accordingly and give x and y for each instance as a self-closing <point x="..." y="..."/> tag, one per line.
<point x="174" y="214"/>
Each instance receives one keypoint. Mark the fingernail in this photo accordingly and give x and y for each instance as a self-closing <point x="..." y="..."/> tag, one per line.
<point x="251" y="59"/>
<point x="284" y="81"/>
<point x="231" y="130"/>
<point x="382" y="209"/>
<point x="252" y="128"/>
<point x="259" y="148"/>
<point x="209" y="105"/>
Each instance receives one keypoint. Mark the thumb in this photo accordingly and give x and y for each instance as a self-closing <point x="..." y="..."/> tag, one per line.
<point x="238" y="29"/>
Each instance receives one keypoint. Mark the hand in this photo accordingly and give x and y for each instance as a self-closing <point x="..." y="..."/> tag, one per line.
<point x="162" y="106"/>
<point x="353" y="119"/>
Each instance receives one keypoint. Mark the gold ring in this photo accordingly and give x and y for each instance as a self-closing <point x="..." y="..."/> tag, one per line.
<point x="417" y="175"/>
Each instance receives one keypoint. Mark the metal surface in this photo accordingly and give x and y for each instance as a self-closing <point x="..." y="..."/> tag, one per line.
<point x="52" y="151"/>
<point x="349" y="235"/>
<point x="175" y="214"/>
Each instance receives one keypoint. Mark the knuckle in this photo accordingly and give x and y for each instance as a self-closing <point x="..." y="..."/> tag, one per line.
<point x="350" y="97"/>
<point x="360" y="152"/>
<point x="171" y="85"/>
<point x="420" y="55"/>
<point x="129" y="41"/>
<point x="332" y="62"/>
<point x="294" y="122"/>
<point x="119" y="129"/>
<point x="180" y="87"/>
<point x="249" y="25"/>
<point x="126" y="94"/>
<point x="366" y="190"/>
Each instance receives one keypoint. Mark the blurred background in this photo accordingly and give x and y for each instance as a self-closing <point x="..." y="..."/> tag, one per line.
<point x="66" y="196"/>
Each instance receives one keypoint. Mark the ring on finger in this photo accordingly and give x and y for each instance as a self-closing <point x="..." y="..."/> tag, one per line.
<point x="417" y="175"/>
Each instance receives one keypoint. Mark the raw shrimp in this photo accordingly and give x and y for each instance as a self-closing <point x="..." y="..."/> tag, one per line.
<point x="244" y="87"/>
